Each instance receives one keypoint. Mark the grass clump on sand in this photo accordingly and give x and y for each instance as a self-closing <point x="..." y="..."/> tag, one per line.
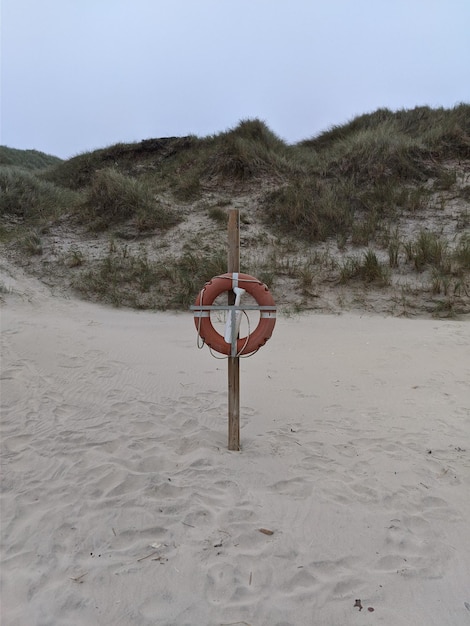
<point x="129" y="279"/>
<point x="31" y="243"/>
<point x="428" y="249"/>
<point x="462" y="252"/>
<point x="27" y="198"/>
<point x="248" y="151"/>
<point x="367" y="269"/>
<point x="113" y="198"/>
<point x="312" y="209"/>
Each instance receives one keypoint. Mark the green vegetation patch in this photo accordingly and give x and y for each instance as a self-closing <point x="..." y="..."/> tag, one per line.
<point x="367" y="268"/>
<point x="368" y="170"/>
<point x="248" y="151"/>
<point x="128" y="279"/>
<point x="27" y="159"/>
<point x="114" y="198"/>
<point x="311" y="209"/>
<point x="442" y="132"/>
<point x="428" y="249"/>
<point x="135" y="159"/>
<point x="26" y="197"/>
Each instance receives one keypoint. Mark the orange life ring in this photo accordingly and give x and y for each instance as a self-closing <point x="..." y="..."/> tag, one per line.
<point x="226" y="282"/>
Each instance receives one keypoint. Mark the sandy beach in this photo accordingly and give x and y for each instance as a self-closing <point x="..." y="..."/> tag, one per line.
<point x="348" y="503"/>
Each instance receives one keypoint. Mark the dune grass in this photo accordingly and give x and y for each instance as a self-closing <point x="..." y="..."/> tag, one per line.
<point x="349" y="185"/>
<point x="25" y="197"/>
<point x="377" y="164"/>
<point x="113" y="198"/>
<point x="123" y="278"/>
<point x="367" y="268"/>
<point x="27" y="159"/>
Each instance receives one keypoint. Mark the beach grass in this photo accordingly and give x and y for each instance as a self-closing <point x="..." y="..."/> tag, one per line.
<point x="343" y="199"/>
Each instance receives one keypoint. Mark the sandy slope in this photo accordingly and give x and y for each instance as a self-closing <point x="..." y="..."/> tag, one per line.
<point x="121" y="505"/>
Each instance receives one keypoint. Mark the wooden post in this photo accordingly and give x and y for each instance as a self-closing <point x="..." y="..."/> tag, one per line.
<point x="233" y="264"/>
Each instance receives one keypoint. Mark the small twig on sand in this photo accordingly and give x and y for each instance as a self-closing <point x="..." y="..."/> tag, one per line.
<point x="148" y="556"/>
<point x="78" y="578"/>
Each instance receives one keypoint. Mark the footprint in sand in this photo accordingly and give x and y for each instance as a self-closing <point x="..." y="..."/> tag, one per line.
<point x="413" y="548"/>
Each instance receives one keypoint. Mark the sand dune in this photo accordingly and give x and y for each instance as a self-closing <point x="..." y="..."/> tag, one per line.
<point x="121" y="504"/>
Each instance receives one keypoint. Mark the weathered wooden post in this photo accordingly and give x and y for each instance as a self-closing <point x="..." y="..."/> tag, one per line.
<point x="233" y="265"/>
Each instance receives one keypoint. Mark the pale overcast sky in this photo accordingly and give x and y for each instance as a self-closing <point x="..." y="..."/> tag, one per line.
<point x="83" y="74"/>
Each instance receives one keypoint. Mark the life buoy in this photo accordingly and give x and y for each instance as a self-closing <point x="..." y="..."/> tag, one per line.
<point x="226" y="282"/>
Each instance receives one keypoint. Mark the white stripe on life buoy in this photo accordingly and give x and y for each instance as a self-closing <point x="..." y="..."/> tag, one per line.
<point x="234" y="280"/>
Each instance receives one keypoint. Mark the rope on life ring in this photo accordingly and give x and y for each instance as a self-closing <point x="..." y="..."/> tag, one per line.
<point x="226" y="282"/>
